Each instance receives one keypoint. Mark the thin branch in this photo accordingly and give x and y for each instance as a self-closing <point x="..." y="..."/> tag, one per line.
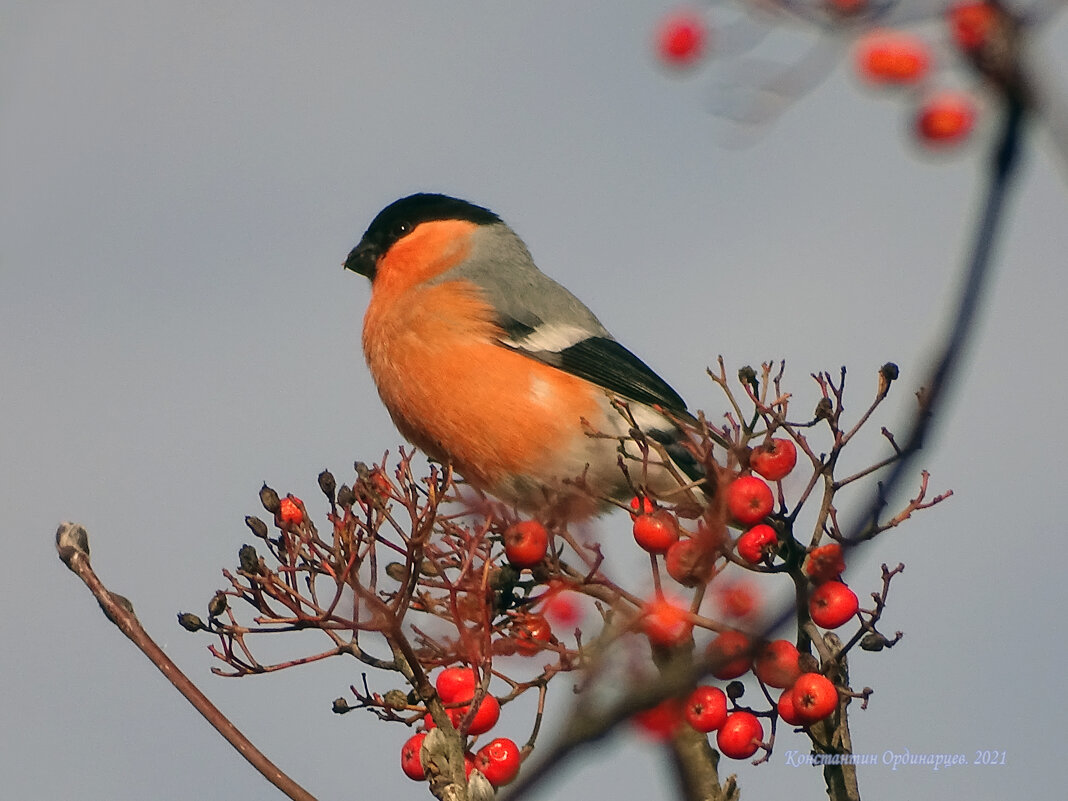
<point x="73" y="547"/>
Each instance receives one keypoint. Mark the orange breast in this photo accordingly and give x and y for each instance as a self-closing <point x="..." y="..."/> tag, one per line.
<point x="461" y="397"/>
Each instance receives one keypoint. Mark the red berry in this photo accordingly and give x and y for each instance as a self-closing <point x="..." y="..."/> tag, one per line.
<point x="498" y="761"/>
<point x="774" y="459"/>
<point x="831" y="604"/>
<point x="411" y="763"/>
<point x="971" y="24"/>
<point x="749" y="499"/>
<point x="814" y="697"/>
<point x="532" y="633"/>
<point x="680" y="40"/>
<point x="641" y="506"/>
<point x="731" y="653"/>
<point x="660" y="721"/>
<point x="526" y="543"/>
<point x="689" y="562"/>
<point x="656" y="532"/>
<point x="786" y="709"/>
<point x="456" y="685"/>
<point x="776" y="664"/>
<point x="485" y="717"/>
<point x="666" y="623"/>
<point x="945" y="118"/>
<point x="706" y="708"/>
<point x="738" y="598"/>
<point x="757" y="543"/>
<point x="740" y="736"/>
<point x="560" y="606"/>
<point x="825" y="563"/>
<point x="892" y="57"/>
<point x="292" y="510"/>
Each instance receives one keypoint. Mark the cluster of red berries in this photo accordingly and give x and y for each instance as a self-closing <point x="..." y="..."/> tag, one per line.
<point x="526" y="544"/>
<point x="899" y="58"/>
<point x="690" y="559"/>
<point x="807" y="697"/>
<point x="883" y="57"/>
<point x="892" y="57"/>
<point x="498" y="760"/>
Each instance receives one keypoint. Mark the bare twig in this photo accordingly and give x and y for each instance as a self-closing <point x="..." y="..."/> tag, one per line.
<point x="73" y="546"/>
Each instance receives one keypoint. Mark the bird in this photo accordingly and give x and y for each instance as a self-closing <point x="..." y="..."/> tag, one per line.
<point x="487" y="364"/>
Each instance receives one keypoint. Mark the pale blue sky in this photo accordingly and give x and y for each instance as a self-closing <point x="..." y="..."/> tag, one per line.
<point x="179" y="184"/>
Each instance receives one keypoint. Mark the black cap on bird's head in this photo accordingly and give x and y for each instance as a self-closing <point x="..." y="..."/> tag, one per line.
<point x="400" y="218"/>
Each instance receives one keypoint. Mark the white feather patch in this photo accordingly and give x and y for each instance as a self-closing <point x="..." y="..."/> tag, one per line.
<point x="550" y="337"/>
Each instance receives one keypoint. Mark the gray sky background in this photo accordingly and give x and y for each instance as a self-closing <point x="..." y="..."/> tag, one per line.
<point x="180" y="183"/>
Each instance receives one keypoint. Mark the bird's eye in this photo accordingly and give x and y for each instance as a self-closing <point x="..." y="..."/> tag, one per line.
<point x="401" y="228"/>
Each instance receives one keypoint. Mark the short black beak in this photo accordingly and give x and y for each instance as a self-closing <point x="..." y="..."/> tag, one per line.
<point x="363" y="260"/>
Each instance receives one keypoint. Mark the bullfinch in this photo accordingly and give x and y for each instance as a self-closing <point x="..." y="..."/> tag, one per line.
<point x="489" y="365"/>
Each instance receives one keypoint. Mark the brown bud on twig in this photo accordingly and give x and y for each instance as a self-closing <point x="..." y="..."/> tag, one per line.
<point x="190" y="622"/>
<point x="249" y="560"/>
<point x="735" y="690"/>
<point x="345" y="496"/>
<point x="327" y="484"/>
<point x="122" y="602"/>
<point x="217" y="604"/>
<point x="269" y="499"/>
<point x="888" y="373"/>
<point x="340" y="706"/>
<point x="395" y="699"/>
<point x="71" y="538"/>
<point x="824" y="409"/>
<point x="257" y="526"/>
<point x="747" y="375"/>
<point x="121" y="616"/>
<point x="873" y="641"/>
<point x="397" y="571"/>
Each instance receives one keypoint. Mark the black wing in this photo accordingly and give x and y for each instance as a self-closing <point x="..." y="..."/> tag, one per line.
<point x="608" y="364"/>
